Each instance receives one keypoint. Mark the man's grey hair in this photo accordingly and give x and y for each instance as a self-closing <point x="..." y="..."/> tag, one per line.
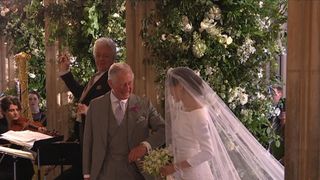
<point x="119" y="67"/>
<point x="108" y="42"/>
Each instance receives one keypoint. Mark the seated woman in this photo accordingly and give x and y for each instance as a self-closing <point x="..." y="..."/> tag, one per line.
<point x="11" y="108"/>
<point x="34" y="103"/>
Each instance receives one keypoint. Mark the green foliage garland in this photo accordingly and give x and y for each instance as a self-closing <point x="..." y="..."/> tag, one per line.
<point x="76" y="24"/>
<point x="229" y="43"/>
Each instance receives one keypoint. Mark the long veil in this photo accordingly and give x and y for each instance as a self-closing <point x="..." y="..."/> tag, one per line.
<point x="237" y="154"/>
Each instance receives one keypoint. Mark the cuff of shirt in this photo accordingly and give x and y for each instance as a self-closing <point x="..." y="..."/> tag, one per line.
<point x="86" y="176"/>
<point x="147" y="145"/>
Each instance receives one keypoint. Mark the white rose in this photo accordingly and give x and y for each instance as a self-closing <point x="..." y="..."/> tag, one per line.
<point x="229" y="40"/>
<point x="243" y="98"/>
<point x="116" y="15"/>
<point x="163" y="37"/>
<point x="32" y="76"/>
<point x="187" y="28"/>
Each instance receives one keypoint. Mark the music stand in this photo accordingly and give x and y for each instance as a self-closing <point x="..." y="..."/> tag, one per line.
<point x="42" y="143"/>
<point x="59" y="153"/>
<point x="15" y="153"/>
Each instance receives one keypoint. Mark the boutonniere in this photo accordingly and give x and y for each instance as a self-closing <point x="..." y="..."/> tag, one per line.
<point x="99" y="87"/>
<point x="134" y="108"/>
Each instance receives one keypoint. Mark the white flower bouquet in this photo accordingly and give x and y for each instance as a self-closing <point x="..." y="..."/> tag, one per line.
<point x="155" y="160"/>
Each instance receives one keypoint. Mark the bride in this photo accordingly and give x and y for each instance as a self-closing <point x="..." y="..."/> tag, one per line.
<point x="206" y="138"/>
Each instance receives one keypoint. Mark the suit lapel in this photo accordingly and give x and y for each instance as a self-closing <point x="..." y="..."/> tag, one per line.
<point x="106" y="108"/>
<point x="91" y="86"/>
<point x="132" y="115"/>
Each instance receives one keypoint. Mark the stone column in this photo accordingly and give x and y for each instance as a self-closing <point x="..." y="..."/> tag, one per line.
<point x="137" y="54"/>
<point x="2" y="65"/>
<point x="51" y="79"/>
<point x="302" y="148"/>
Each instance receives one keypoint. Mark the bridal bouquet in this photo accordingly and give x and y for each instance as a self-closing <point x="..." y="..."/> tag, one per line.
<point x="155" y="160"/>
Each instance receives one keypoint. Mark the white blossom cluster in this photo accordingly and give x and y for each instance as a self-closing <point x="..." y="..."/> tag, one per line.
<point x="155" y="160"/>
<point x="238" y="94"/>
<point x="32" y="75"/>
<point x="209" y="70"/>
<point x="224" y="39"/>
<point x="199" y="47"/>
<point x="115" y="15"/>
<point x="209" y="23"/>
<point x="246" y="50"/>
<point x="261" y="96"/>
<point x="260" y="73"/>
<point x="264" y="23"/>
<point x="172" y="38"/>
<point x="4" y="11"/>
<point x="246" y="112"/>
<point x="186" y="24"/>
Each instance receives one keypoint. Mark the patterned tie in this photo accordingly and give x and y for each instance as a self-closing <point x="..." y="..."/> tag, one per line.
<point x="119" y="113"/>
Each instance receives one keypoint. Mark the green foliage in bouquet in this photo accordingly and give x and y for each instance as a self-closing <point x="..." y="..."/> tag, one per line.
<point x="155" y="160"/>
<point x="229" y="43"/>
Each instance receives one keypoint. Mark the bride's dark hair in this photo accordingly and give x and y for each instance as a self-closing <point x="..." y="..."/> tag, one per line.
<point x="188" y="76"/>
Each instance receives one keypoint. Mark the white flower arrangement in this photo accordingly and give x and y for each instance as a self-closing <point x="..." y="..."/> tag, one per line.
<point x="199" y="47"/>
<point x="186" y="25"/>
<point x="238" y="94"/>
<point x="155" y="160"/>
<point x="246" y="50"/>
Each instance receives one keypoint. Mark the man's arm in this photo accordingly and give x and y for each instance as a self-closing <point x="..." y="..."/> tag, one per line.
<point x="87" y="144"/>
<point x="157" y="126"/>
<point x="72" y="84"/>
<point x="67" y="77"/>
<point x="156" y="137"/>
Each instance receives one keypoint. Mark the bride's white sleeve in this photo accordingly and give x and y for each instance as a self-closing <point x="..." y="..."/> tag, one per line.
<point x="201" y="132"/>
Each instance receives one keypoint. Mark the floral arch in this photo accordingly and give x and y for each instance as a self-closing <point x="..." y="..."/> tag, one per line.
<point x="234" y="45"/>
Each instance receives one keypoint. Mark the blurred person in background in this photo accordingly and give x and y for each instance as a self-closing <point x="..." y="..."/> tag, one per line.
<point x="38" y="114"/>
<point x="278" y="119"/>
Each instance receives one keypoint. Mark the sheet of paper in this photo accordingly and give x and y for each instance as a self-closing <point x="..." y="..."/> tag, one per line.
<point x="24" y="138"/>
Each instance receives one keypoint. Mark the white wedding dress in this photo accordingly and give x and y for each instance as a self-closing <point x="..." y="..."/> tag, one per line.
<point x="210" y="137"/>
<point x="192" y="142"/>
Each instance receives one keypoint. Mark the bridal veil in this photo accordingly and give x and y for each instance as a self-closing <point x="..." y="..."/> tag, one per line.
<point x="237" y="154"/>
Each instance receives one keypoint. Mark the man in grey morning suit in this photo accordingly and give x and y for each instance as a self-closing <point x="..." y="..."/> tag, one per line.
<point x="114" y="142"/>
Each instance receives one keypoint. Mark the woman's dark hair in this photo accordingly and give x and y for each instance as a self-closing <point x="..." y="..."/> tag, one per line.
<point x="35" y="93"/>
<point x="186" y="74"/>
<point x="9" y="100"/>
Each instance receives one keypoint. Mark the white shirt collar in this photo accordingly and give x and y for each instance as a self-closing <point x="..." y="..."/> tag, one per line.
<point x="115" y="100"/>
